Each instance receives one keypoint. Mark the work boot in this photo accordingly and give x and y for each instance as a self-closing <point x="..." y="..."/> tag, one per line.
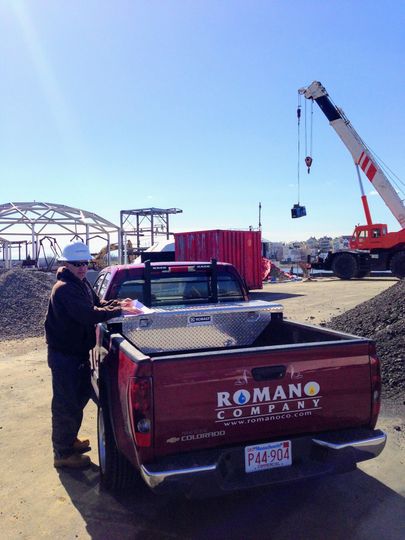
<point x="74" y="461"/>
<point x="81" y="446"/>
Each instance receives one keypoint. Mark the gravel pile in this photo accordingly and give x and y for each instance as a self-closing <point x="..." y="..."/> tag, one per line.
<point x="383" y="319"/>
<point x="24" y="296"/>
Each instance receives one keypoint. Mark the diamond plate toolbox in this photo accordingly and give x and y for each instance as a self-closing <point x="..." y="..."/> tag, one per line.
<point x="179" y="328"/>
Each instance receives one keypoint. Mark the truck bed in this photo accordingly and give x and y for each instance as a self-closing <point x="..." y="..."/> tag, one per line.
<point x="298" y="383"/>
<point x="295" y="378"/>
<point x="280" y="333"/>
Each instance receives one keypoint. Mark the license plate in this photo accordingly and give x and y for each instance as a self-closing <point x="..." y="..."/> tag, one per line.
<point x="267" y="456"/>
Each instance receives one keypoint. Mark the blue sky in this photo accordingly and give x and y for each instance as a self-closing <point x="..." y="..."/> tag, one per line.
<point x="192" y="104"/>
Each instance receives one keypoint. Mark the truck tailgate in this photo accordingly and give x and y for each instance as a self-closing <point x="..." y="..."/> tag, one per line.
<point x="212" y="399"/>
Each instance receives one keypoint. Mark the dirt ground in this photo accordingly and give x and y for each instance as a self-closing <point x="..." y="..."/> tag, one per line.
<point x="39" y="502"/>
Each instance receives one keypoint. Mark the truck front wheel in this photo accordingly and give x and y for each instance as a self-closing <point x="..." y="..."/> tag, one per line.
<point x="344" y="266"/>
<point x="397" y="264"/>
<point x="116" y="473"/>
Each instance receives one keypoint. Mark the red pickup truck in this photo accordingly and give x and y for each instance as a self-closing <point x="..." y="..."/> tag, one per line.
<point x="208" y="392"/>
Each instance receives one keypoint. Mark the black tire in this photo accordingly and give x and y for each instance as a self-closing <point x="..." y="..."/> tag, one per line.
<point x="362" y="274"/>
<point x="116" y="473"/>
<point x="344" y="266"/>
<point x="397" y="264"/>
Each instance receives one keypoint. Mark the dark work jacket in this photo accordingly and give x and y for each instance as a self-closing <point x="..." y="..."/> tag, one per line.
<point x="74" y="310"/>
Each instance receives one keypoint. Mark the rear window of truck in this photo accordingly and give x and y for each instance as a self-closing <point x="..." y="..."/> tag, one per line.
<point x="182" y="289"/>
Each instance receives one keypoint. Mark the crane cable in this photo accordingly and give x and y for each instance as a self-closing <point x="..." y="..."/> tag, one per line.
<point x="299" y="144"/>
<point x="308" y="158"/>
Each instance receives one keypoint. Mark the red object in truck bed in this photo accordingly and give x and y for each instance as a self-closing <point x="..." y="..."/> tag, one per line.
<point x="240" y="248"/>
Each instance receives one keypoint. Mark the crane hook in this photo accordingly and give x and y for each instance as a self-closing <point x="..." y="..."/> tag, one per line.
<point x="308" y="163"/>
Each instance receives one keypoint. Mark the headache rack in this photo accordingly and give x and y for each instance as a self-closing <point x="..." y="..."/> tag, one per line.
<point x="150" y="270"/>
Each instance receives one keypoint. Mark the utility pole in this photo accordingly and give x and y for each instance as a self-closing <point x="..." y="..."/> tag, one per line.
<point x="260" y="216"/>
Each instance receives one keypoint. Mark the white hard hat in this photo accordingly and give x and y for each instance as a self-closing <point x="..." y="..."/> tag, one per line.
<point x="75" y="252"/>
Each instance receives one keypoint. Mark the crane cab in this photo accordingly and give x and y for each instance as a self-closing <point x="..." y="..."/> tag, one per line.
<point x="370" y="236"/>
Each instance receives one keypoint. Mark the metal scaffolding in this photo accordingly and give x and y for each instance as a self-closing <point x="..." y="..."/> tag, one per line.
<point x="40" y="222"/>
<point x="146" y="223"/>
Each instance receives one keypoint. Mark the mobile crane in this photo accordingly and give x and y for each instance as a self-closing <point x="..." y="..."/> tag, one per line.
<point x="372" y="247"/>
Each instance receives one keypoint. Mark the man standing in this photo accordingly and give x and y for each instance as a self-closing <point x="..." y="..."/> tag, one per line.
<point x="74" y="310"/>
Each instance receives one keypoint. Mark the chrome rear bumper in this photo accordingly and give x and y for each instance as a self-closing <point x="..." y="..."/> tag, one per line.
<point x="371" y="445"/>
<point x="155" y="478"/>
<point x="223" y="469"/>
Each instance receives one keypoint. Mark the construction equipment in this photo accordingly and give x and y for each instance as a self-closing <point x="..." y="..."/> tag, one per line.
<point x="372" y="246"/>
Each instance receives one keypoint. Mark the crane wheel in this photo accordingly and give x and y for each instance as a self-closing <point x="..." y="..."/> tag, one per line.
<point x="397" y="264"/>
<point x="361" y="274"/>
<point x="344" y="266"/>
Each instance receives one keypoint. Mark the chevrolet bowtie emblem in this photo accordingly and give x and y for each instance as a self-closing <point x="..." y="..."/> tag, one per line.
<point x="243" y="379"/>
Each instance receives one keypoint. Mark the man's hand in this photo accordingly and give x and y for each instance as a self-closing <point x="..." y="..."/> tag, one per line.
<point x="127" y="306"/>
<point x="127" y="302"/>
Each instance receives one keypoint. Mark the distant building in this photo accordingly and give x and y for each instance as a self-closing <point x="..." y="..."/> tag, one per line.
<point x="312" y="243"/>
<point x="341" y="243"/>
<point x="275" y="251"/>
<point x="325" y="244"/>
<point x="292" y="252"/>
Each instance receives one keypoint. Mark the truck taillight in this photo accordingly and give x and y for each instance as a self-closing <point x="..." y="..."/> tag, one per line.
<point x="140" y="406"/>
<point x="375" y="389"/>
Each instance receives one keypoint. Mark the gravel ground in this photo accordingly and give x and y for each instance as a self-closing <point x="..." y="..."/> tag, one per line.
<point x="383" y="319"/>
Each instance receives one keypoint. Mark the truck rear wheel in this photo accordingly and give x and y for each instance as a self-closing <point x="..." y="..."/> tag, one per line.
<point x="397" y="264"/>
<point x="116" y="473"/>
<point x="344" y="266"/>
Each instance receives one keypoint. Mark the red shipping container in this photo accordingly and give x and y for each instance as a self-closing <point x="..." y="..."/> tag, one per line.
<point x="243" y="249"/>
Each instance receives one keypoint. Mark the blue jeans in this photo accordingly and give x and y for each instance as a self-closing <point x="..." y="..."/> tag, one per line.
<point x="71" y="385"/>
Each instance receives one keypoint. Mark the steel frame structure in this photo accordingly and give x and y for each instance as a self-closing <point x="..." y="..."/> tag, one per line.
<point x="37" y="220"/>
<point x="143" y="222"/>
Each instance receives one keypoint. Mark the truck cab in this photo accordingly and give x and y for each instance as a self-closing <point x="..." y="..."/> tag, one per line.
<point x="172" y="283"/>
